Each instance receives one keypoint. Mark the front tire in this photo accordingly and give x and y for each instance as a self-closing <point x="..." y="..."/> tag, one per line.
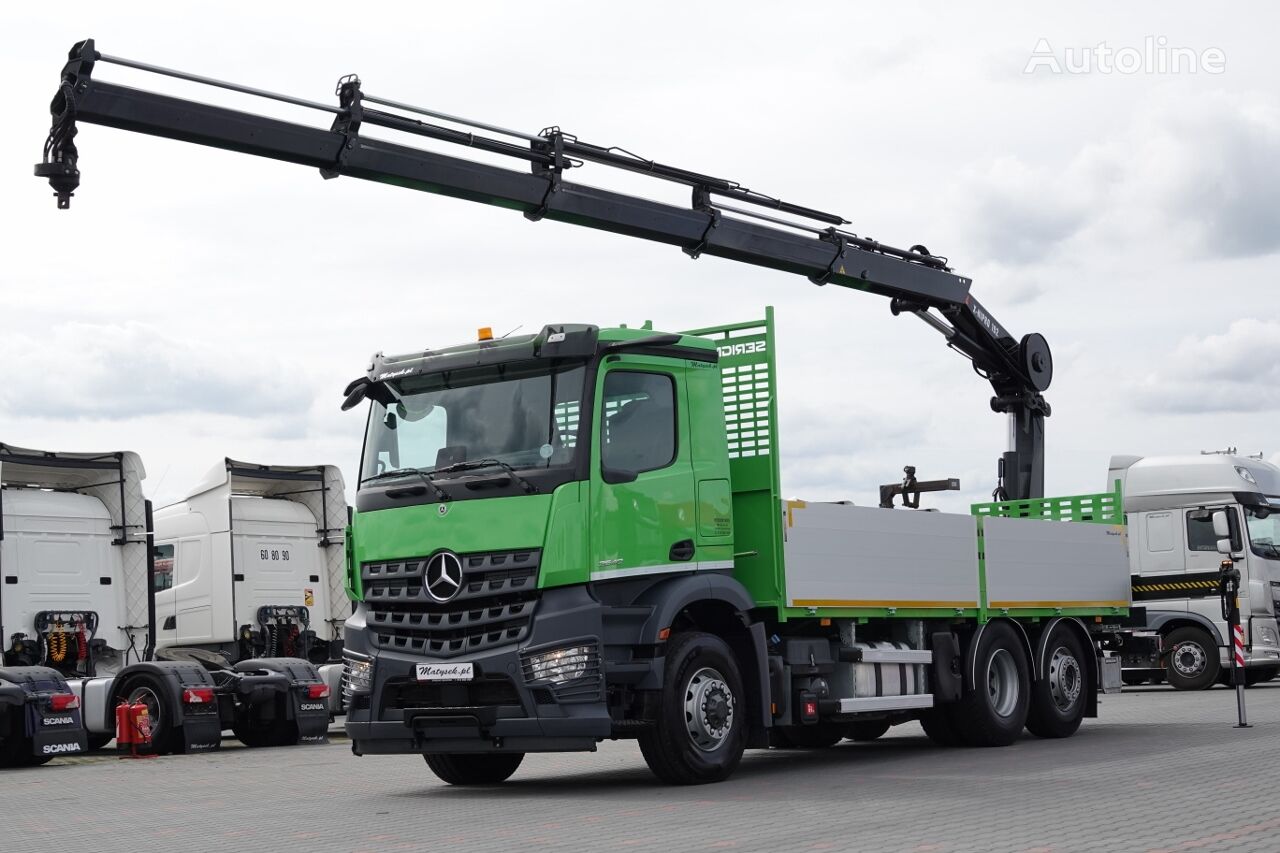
<point x="700" y="730"/>
<point x="994" y="712"/>
<point x="1193" y="663"/>
<point x="1058" y="699"/>
<point x="473" y="768"/>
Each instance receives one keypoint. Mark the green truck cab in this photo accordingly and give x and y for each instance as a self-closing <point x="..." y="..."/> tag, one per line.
<point x="578" y="535"/>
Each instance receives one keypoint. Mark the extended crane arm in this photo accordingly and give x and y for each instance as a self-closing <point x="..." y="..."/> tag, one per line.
<point x="915" y="280"/>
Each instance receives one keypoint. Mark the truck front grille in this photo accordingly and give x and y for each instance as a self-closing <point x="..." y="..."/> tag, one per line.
<point x="493" y="606"/>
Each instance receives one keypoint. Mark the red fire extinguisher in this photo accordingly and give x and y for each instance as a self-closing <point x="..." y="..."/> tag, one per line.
<point x="133" y="729"/>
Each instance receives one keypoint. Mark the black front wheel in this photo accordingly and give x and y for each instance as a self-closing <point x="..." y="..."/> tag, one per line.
<point x="700" y="730"/>
<point x="473" y="768"/>
<point x="1193" y="662"/>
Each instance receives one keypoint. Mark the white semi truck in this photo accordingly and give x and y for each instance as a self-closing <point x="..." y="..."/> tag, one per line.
<point x="251" y="564"/>
<point x="79" y="606"/>
<point x="1169" y="502"/>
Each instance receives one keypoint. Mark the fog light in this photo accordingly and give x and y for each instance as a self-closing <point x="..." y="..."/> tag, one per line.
<point x="357" y="675"/>
<point x="559" y="665"/>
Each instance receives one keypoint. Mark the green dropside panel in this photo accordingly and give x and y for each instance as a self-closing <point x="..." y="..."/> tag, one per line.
<point x="747" y="374"/>
<point x="556" y="523"/>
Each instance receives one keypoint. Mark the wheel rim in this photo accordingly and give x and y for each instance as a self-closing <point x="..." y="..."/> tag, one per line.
<point x="1189" y="659"/>
<point x="147" y="697"/>
<point x="1065" y="678"/>
<point x="1002" y="683"/>
<point x="708" y="709"/>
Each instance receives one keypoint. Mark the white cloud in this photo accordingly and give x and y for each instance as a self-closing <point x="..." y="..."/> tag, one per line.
<point x="79" y="370"/>
<point x="1237" y="371"/>
<point x="1192" y="178"/>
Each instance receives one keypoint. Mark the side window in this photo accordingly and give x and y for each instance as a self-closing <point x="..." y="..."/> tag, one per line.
<point x="163" y="578"/>
<point x="1200" y="531"/>
<point x="638" y="421"/>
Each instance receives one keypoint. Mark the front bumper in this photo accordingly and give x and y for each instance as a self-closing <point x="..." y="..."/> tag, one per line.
<point x="500" y="709"/>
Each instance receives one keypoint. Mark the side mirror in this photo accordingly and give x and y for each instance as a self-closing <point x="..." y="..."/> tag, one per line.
<point x="355" y="394"/>
<point x="1224" y="547"/>
<point x="1221" y="528"/>
<point x="613" y="476"/>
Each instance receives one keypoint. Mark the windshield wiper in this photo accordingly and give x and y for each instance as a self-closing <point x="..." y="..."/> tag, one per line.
<point x="475" y="464"/>
<point x="424" y="476"/>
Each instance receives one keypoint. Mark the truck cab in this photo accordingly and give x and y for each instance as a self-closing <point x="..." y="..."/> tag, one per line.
<point x="1174" y="561"/>
<point x="251" y="564"/>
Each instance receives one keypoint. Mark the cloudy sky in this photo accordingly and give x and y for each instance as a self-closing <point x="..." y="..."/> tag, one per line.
<point x="195" y="304"/>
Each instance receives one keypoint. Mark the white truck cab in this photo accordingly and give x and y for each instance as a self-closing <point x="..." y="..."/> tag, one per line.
<point x="1173" y="557"/>
<point x="251" y="564"/>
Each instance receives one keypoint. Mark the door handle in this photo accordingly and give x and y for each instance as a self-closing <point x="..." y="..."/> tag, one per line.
<point x="682" y="551"/>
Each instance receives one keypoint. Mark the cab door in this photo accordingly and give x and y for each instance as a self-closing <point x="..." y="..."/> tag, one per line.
<point x="642" y="489"/>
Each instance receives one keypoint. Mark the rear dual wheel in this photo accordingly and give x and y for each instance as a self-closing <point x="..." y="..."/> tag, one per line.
<point x="1058" y="698"/>
<point x="995" y="710"/>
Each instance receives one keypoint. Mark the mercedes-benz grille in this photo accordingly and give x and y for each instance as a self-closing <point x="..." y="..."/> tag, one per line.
<point x="493" y="605"/>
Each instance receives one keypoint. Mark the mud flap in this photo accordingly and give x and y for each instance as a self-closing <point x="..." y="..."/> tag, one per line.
<point x="311" y="716"/>
<point x="201" y="732"/>
<point x="55" y="733"/>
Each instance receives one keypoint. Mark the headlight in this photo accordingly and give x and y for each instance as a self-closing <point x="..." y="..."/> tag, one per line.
<point x="1265" y="636"/>
<point x="560" y="665"/>
<point x="357" y="675"/>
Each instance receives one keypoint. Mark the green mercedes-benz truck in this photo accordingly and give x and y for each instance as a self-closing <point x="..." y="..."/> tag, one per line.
<point x="578" y="535"/>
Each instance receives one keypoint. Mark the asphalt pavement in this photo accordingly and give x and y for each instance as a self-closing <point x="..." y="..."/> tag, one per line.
<point x="1157" y="771"/>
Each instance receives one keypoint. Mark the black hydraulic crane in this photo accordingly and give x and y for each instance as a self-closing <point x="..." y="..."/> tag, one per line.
<point x="724" y="219"/>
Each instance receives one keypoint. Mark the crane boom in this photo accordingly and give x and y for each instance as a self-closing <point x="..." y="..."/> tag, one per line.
<point x="724" y="219"/>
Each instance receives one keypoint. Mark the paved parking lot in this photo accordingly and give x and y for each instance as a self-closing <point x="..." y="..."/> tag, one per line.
<point x="1158" y="771"/>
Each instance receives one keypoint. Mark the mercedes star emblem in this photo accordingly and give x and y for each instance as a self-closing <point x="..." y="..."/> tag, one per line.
<point x="444" y="576"/>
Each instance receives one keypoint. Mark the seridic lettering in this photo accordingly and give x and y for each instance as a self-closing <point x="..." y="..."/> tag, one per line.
<point x="58" y="748"/>
<point x="312" y="706"/>
<point x="749" y="348"/>
<point x="58" y="721"/>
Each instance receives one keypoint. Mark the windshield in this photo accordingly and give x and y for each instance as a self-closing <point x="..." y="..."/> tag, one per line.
<point x="1264" y="531"/>
<point x="525" y="416"/>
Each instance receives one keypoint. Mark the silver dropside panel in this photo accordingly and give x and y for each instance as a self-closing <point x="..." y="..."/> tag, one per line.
<point x="847" y="556"/>
<point x="1034" y="563"/>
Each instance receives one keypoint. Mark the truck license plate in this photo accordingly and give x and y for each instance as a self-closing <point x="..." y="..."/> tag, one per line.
<point x="445" y="671"/>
